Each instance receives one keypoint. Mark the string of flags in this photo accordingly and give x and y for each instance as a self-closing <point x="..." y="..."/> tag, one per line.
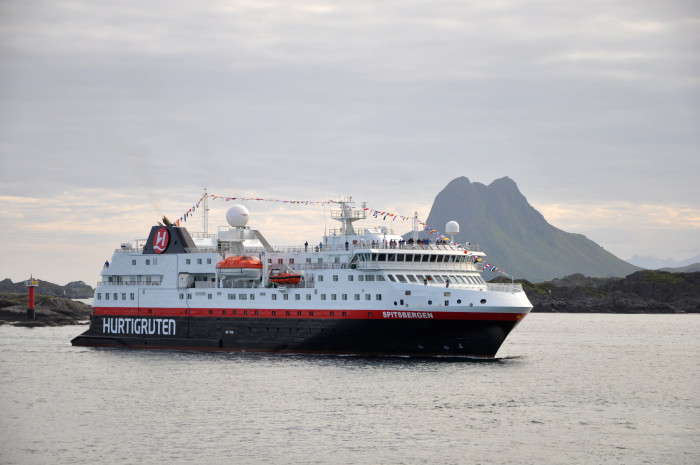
<point x="375" y="213"/>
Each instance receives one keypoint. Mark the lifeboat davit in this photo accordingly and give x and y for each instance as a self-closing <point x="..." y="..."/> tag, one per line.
<point x="242" y="267"/>
<point x="285" y="278"/>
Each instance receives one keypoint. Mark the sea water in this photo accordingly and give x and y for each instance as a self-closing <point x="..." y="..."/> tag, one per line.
<point x="564" y="388"/>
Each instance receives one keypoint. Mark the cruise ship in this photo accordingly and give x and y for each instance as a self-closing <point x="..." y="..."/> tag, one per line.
<point x="365" y="291"/>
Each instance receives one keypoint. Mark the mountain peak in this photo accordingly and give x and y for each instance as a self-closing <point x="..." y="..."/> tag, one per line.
<point x="517" y="238"/>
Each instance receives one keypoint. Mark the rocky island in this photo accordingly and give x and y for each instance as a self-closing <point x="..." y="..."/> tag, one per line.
<point x="644" y="291"/>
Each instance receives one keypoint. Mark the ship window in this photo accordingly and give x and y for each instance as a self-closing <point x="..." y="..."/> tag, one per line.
<point x="335" y="277"/>
<point x="433" y="258"/>
<point x="115" y="296"/>
<point x="369" y="314"/>
<point x="344" y="296"/>
<point x="380" y="277"/>
<point x="378" y="297"/>
<point x="357" y="296"/>
<point x="430" y="302"/>
<point x="344" y="314"/>
<point x="308" y="296"/>
<point x="291" y="261"/>
<point x="334" y="296"/>
<point x="320" y="259"/>
<point x="351" y="277"/>
<point x="274" y="296"/>
<point x="245" y="312"/>
<point x="199" y="261"/>
<point x="123" y="295"/>
<point x="252" y="296"/>
<point x="447" y="303"/>
<point x="407" y="293"/>
<point x="400" y="257"/>
<point x="391" y="278"/>
<point x="148" y="262"/>
<point x="211" y="312"/>
<point x="381" y="257"/>
<point x="369" y="277"/>
<point x="288" y="314"/>
<point x="131" y="296"/>
<point x="209" y="296"/>
<point x="368" y="296"/>
<point x="320" y="277"/>
<point x="257" y="313"/>
<point x="298" y="314"/>
<point x="297" y="296"/>
<point x="447" y="294"/>
<point x="401" y="278"/>
<point x="323" y="296"/>
<point x="269" y="260"/>
<point x="99" y="296"/>
<point x="208" y="261"/>
<point x="189" y="296"/>
<point x="311" y="313"/>
<point x="482" y="301"/>
<point x="332" y="313"/>
<point x="232" y="297"/>
<point x="459" y="301"/>
<point x="374" y="257"/>
<point x="133" y="262"/>
<point x="361" y="277"/>
<point x="274" y="313"/>
<point x="411" y="278"/>
<point x="285" y="296"/>
<point x="187" y="261"/>
<point x="280" y="261"/>
<point x="438" y="279"/>
<point x="187" y="312"/>
<point x="445" y="278"/>
<point x="242" y="297"/>
<point x="150" y="310"/>
<point x="235" y="312"/>
<point x="391" y="257"/>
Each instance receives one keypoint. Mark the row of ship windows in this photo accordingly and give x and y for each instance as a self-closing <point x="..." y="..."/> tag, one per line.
<point x="409" y="257"/>
<point x="360" y="277"/>
<point x="296" y="296"/>
<point x="440" y="279"/>
<point x="115" y="296"/>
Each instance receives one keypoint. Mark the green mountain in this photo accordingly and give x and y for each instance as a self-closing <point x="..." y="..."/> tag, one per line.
<point x="516" y="237"/>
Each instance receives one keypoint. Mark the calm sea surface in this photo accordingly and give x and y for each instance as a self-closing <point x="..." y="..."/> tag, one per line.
<point x="566" y="388"/>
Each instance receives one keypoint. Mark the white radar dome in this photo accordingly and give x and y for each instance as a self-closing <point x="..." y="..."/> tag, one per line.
<point x="452" y="227"/>
<point x="237" y="216"/>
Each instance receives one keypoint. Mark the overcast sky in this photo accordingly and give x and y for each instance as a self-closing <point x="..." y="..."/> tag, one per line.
<point x="113" y="113"/>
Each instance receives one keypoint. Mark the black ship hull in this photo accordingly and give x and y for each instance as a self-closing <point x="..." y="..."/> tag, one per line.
<point x="416" y="337"/>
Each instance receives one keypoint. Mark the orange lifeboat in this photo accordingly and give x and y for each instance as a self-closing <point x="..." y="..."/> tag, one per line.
<point x="240" y="266"/>
<point x="285" y="278"/>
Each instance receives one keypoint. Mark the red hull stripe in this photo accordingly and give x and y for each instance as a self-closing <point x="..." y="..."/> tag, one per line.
<point x="310" y="314"/>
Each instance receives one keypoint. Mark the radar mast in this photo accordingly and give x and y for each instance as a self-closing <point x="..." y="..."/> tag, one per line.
<point x="346" y="215"/>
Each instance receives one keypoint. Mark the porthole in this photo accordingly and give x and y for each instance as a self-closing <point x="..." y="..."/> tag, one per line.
<point x="430" y="302"/>
<point x="459" y="301"/>
<point x="483" y="301"/>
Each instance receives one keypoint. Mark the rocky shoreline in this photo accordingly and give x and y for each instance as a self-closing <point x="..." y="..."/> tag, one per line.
<point x="644" y="291"/>
<point x="50" y="311"/>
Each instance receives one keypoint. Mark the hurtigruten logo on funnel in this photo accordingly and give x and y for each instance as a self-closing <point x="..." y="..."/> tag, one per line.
<point x="161" y="240"/>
